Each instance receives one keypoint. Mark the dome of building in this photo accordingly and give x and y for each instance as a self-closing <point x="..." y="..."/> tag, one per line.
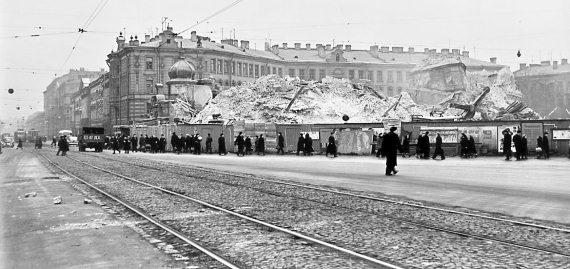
<point x="182" y="69"/>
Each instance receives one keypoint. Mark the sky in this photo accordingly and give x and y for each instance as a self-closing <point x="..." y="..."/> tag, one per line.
<point x="486" y="28"/>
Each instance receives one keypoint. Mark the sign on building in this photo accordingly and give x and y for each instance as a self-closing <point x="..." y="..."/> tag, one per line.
<point x="560" y="134"/>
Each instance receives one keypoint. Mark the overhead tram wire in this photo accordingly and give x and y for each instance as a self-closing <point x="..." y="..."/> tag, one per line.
<point x="211" y="16"/>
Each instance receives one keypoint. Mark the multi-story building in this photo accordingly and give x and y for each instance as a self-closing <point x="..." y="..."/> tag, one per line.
<point x="91" y="104"/>
<point x="58" y="105"/>
<point x="546" y="87"/>
<point x="139" y="68"/>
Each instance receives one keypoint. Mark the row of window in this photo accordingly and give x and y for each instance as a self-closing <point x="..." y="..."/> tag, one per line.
<point x="225" y="67"/>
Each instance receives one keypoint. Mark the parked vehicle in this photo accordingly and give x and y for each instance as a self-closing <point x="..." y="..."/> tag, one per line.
<point x="8" y="142"/>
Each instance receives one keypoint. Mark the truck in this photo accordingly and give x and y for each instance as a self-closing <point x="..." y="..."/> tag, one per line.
<point x="91" y="137"/>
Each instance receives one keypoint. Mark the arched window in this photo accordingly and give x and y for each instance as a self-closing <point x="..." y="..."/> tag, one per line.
<point x="338" y="57"/>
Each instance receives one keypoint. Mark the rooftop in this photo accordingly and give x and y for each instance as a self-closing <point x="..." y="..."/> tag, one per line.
<point x="544" y="68"/>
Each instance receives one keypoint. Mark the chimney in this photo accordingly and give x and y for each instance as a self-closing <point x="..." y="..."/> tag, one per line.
<point x="136" y="41"/>
<point x="328" y="47"/>
<point x="455" y="51"/>
<point x="193" y="36"/>
<point x="120" y="41"/>
<point x="554" y="65"/>
<point x="411" y="50"/>
<point x="308" y="46"/>
<point x="397" y="49"/>
<point x="267" y="47"/>
<point x="348" y="47"/>
<point x="146" y="38"/>
<point x="226" y="41"/>
<point x="321" y="50"/>
<point x="297" y="46"/>
<point x="339" y="47"/>
<point x="465" y="54"/>
<point x="82" y="69"/>
<point x="275" y="49"/>
<point x="444" y="51"/>
<point x="522" y="66"/>
<point x="235" y="43"/>
<point x="493" y="60"/>
<point x="426" y="50"/>
<point x="545" y="63"/>
<point x="374" y="50"/>
<point x="385" y="49"/>
<point x="244" y="44"/>
<point x="564" y="61"/>
<point x="284" y="45"/>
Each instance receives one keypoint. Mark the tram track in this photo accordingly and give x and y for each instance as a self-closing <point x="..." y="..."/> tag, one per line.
<point x="295" y="211"/>
<point x="372" y="262"/>
<point x="546" y="247"/>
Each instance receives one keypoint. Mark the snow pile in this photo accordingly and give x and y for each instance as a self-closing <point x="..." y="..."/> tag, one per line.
<point x="287" y="100"/>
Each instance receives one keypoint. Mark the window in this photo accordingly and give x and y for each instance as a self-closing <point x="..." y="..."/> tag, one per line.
<point x="233" y="68"/>
<point x="280" y="71"/>
<point x="399" y="90"/>
<point x="302" y="73"/>
<point x="148" y="62"/>
<point x="213" y="70"/>
<point x="390" y="76"/>
<point x="245" y="70"/>
<point x="219" y="66"/>
<point x="379" y="76"/>
<point x="370" y="76"/>
<point x="399" y="76"/>
<point x="239" y="69"/>
<point x="360" y="74"/>
<point x="250" y="70"/>
<point x="292" y="72"/>
<point x="322" y="73"/>
<point x="338" y="57"/>
<point x="312" y="74"/>
<point x="149" y="85"/>
<point x="256" y="71"/>
<point x="274" y="69"/>
<point x="263" y="70"/>
<point x="226" y="67"/>
<point x="390" y="90"/>
<point x="350" y="74"/>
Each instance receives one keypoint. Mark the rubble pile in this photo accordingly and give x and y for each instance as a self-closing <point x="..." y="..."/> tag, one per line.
<point x="287" y="100"/>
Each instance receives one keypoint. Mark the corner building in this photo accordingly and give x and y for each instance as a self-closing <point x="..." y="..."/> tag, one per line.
<point x="139" y="69"/>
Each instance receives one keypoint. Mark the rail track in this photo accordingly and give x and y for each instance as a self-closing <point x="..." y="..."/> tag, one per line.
<point x="545" y="248"/>
<point x="179" y="234"/>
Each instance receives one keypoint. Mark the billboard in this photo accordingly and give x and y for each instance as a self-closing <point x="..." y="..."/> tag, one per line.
<point x="560" y="134"/>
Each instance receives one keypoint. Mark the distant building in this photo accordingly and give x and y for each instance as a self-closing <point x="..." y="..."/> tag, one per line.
<point x="546" y="87"/>
<point x="138" y="69"/>
<point x="58" y="104"/>
<point x="91" y="105"/>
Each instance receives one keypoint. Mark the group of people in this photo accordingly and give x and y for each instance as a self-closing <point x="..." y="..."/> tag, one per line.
<point x="190" y="143"/>
<point x="62" y="145"/>
<point x="127" y="143"/>
<point x="468" y="149"/>
<point x="245" y="146"/>
<point x="305" y="144"/>
<point x="520" y="142"/>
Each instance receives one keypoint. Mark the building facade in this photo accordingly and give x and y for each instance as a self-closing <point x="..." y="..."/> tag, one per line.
<point x="138" y="69"/>
<point x="91" y="105"/>
<point x="58" y="103"/>
<point x="546" y="87"/>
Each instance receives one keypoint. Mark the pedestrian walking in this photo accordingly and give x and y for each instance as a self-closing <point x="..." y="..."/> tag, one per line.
<point x="197" y="144"/>
<point x="175" y="142"/>
<point x="406" y="146"/>
<point x="517" y="139"/>
<point x="222" y="145"/>
<point x="261" y="145"/>
<point x="380" y="138"/>
<point x="524" y="142"/>
<point x="546" y="146"/>
<point x="390" y="147"/>
<point x="539" y="152"/>
<point x="126" y="144"/>
<point x="308" y="145"/>
<point x="54" y="142"/>
<point x="280" y="144"/>
<point x="472" y="147"/>
<point x="507" y="140"/>
<point x="300" y="144"/>
<point x="419" y="142"/>
<point x="209" y="141"/>
<point x="248" y="146"/>
<point x="438" y="149"/>
<point x="134" y="142"/>
<point x="187" y="143"/>
<point x="240" y="143"/>
<point x="115" y="144"/>
<point x="20" y="144"/>
<point x="464" y="145"/>
<point x="162" y="144"/>
<point x="331" y="146"/>
<point x="425" y="146"/>
<point x="59" y="145"/>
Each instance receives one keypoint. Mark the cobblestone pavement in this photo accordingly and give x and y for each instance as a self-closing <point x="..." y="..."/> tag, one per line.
<point x="372" y="234"/>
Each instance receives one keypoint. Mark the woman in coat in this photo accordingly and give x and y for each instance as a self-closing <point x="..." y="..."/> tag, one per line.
<point x="308" y="145"/>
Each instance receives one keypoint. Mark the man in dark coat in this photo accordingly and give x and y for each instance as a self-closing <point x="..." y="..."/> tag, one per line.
<point x="162" y="144"/>
<point x="390" y="147"/>
<point x="209" y="141"/>
<point x="300" y="144"/>
<point x="308" y="145"/>
<point x="426" y="146"/>
<point x="222" y="145"/>
<point x="175" y="142"/>
<point x="517" y="139"/>
<point x="280" y="144"/>
<point x="472" y="147"/>
<point x="187" y="142"/>
<point x="507" y="144"/>
<point x="539" y="149"/>
<point x="59" y="145"/>
<point x="248" y="146"/>
<point x="240" y="143"/>
<point x="115" y="144"/>
<point x="379" y="140"/>
<point x="142" y="143"/>
<point x="64" y="146"/>
<point x="134" y="142"/>
<point x="126" y="144"/>
<point x="331" y="147"/>
<point x="545" y="146"/>
<point x="524" y="142"/>
<point x="197" y="144"/>
<point x="261" y="145"/>
<point x="438" y="148"/>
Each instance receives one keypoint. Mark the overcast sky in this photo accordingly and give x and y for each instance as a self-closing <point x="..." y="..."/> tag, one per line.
<point x="486" y="28"/>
